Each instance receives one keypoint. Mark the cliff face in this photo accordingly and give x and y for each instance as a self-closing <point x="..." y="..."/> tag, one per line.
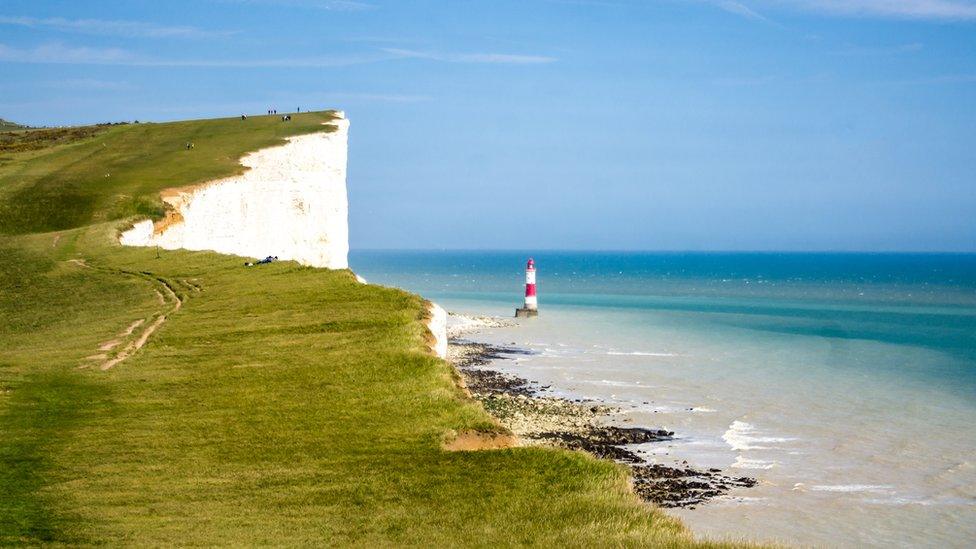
<point x="437" y="324"/>
<point x="291" y="203"/>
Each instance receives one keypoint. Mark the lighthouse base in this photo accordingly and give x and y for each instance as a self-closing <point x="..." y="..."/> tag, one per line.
<point x="526" y="313"/>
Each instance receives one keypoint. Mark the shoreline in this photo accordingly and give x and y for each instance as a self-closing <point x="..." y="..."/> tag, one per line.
<point x="536" y="419"/>
<point x="753" y="389"/>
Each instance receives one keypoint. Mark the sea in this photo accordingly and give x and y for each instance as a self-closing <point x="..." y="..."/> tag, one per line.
<point x="845" y="383"/>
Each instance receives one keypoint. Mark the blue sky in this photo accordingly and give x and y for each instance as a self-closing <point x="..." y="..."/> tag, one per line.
<point x="593" y="124"/>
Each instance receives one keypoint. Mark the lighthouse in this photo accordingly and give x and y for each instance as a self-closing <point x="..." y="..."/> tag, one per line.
<point x="531" y="306"/>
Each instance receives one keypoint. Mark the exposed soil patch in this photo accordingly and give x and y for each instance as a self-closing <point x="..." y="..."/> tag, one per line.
<point x="113" y="343"/>
<point x="475" y="440"/>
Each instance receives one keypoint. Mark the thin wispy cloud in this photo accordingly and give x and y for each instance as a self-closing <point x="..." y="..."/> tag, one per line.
<point x="89" y="84"/>
<point x="323" y="61"/>
<point x="745" y="81"/>
<point x="740" y="9"/>
<point x="377" y="39"/>
<point x="941" y="79"/>
<point x="598" y="3"/>
<point x="493" y="58"/>
<point x="949" y="10"/>
<point x="897" y="49"/>
<point x="329" y="5"/>
<point x="937" y="10"/>
<point x="128" y="29"/>
<point x="57" y="53"/>
<point x="827" y="78"/>
<point x="377" y="97"/>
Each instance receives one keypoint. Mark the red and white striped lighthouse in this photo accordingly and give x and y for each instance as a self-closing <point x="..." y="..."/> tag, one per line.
<point x="531" y="306"/>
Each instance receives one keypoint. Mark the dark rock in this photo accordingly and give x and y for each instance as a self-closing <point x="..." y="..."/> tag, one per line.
<point x="676" y="487"/>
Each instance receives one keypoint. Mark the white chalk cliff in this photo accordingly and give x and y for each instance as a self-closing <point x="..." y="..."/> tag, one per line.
<point x="290" y="203"/>
<point x="437" y="324"/>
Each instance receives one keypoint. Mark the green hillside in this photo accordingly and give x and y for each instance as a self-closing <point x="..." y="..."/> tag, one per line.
<point x="274" y="405"/>
<point x="6" y="125"/>
<point x="101" y="173"/>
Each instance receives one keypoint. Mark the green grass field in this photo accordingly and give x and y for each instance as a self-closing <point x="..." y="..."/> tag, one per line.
<point x="280" y="405"/>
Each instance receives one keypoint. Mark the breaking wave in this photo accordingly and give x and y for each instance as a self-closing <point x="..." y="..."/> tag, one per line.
<point x="745" y="436"/>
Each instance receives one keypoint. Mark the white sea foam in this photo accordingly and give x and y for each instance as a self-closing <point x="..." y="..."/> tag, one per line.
<point x="638" y="353"/>
<point x="852" y="488"/>
<point x="898" y="501"/>
<point x="747" y="463"/>
<point x="739" y="500"/>
<point x="553" y="352"/>
<point x="612" y="383"/>
<point x="922" y="501"/>
<point x="745" y="436"/>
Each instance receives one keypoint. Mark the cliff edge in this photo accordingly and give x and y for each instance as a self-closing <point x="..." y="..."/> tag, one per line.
<point x="290" y="203"/>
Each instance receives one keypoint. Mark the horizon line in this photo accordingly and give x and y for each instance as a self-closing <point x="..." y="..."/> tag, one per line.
<point x="669" y="251"/>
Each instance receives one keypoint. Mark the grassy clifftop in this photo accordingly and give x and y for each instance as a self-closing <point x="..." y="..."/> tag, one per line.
<point x="79" y="176"/>
<point x="277" y="405"/>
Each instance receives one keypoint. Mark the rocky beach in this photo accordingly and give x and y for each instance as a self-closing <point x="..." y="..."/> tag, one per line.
<point x="538" y="418"/>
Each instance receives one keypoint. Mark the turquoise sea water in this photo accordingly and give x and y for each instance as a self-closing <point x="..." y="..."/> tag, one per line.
<point x="845" y="382"/>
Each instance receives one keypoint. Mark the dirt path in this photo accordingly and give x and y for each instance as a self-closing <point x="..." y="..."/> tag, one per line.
<point x="130" y="340"/>
<point x="169" y="297"/>
<point x="113" y="343"/>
